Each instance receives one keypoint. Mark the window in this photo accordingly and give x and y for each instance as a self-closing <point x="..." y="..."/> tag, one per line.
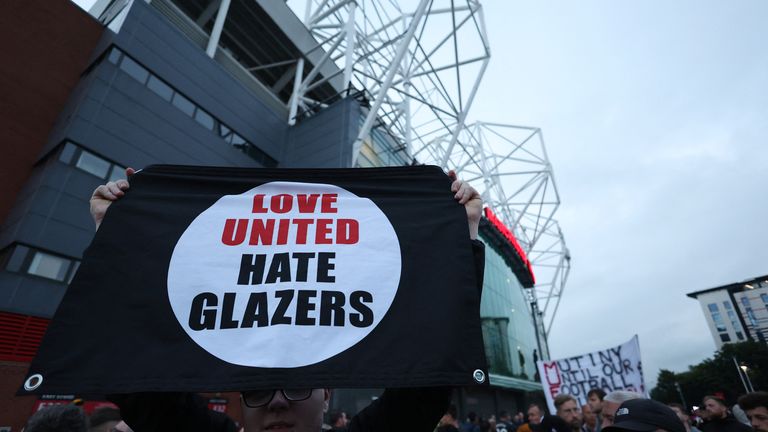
<point x="719" y="324"/>
<point x="724" y="337"/>
<point x="184" y="104"/>
<point x="134" y="69"/>
<point x="745" y="301"/>
<point x="49" y="266"/>
<point x="73" y="154"/>
<point x="712" y="307"/>
<point x="751" y="316"/>
<point x="204" y="119"/>
<point x="162" y="89"/>
<point x="114" y="56"/>
<point x="727" y="305"/>
<point x="93" y="164"/>
<point x="24" y="259"/>
<point x="739" y="335"/>
<point x="764" y="298"/>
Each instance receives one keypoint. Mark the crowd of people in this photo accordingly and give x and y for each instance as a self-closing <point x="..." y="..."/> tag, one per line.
<point x="621" y="411"/>
<point x="616" y="411"/>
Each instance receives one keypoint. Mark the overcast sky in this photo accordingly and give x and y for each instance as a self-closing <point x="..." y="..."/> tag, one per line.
<point x="655" y="116"/>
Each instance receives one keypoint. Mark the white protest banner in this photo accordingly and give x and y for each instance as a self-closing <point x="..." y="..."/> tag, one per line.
<point x="617" y="368"/>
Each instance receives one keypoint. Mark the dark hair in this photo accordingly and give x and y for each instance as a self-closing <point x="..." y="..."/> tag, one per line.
<point x="103" y="415"/>
<point x="563" y="398"/>
<point x="56" y="418"/>
<point x="596" y="391"/>
<point x="472" y="416"/>
<point x="539" y="406"/>
<point x="716" y="399"/>
<point x="754" y="400"/>
<point x="452" y="411"/>
<point x="503" y="413"/>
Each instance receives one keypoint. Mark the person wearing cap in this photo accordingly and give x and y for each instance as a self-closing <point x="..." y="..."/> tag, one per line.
<point x="720" y="419"/>
<point x="756" y="406"/>
<point x="645" y="415"/>
<point x="611" y="403"/>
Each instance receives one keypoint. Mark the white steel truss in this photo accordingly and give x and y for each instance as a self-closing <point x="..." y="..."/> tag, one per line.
<point x="421" y="70"/>
<point x="510" y="168"/>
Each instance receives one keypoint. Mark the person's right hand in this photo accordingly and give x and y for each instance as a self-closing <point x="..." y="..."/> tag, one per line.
<point x="103" y="196"/>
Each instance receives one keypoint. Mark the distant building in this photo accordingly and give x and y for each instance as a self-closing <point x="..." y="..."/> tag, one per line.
<point x="736" y="312"/>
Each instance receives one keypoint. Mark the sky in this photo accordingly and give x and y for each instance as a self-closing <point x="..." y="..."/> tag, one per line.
<point x="655" y="118"/>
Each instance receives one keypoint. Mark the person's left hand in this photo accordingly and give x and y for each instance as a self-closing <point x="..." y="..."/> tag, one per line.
<point x="467" y="196"/>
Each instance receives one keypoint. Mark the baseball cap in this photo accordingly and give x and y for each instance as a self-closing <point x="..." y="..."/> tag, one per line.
<point x="645" y="415"/>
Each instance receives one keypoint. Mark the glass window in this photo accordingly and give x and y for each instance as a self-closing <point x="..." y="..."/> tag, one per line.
<point x="739" y="335"/>
<point x="184" y="104"/>
<point x="764" y="298"/>
<point x="727" y="305"/>
<point x="117" y="173"/>
<point x="16" y="260"/>
<point x="224" y="130"/>
<point x="49" y="266"/>
<point x="745" y="301"/>
<point x="67" y="152"/>
<point x="237" y="141"/>
<point x="93" y="164"/>
<point x="158" y="86"/>
<point x="134" y="69"/>
<point x="751" y="316"/>
<point x="75" y="266"/>
<point x="114" y="56"/>
<point x="724" y="337"/>
<point x="712" y="307"/>
<point x="718" y="322"/>
<point x="204" y="119"/>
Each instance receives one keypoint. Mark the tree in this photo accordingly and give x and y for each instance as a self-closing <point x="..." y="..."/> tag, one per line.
<point x="716" y="375"/>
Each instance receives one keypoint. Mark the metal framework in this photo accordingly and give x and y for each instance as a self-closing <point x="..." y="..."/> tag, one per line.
<point x="421" y="69"/>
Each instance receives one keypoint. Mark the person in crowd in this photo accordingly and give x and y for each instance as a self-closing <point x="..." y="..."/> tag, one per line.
<point x="534" y="417"/>
<point x="568" y="409"/>
<point x="449" y="422"/>
<point x="644" y="415"/>
<point x="338" y="421"/>
<point x="472" y="423"/>
<point x="504" y="423"/>
<point x="756" y="406"/>
<point x="103" y="419"/>
<point x="300" y="410"/>
<point x="518" y="419"/>
<point x="739" y="414"/>
<point x="720" y="419"/>
<point x="589" y="419"/>
<point x="58" y="418"/>
<point x="611" y="403"/>
<point x="595" y="398"/>
<point x="549" y="423"/>
<point x="684" y="417"/>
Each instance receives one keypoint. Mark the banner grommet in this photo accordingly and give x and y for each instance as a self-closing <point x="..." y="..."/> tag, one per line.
<point x="33" y="382"/>
<point x="479" y="376"/>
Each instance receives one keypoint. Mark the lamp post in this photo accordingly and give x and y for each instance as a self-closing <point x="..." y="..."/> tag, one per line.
<point x="739" y="370"/>
<point x="744" y="368"/>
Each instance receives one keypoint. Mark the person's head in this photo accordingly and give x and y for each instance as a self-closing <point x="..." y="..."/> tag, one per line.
<point x="472" y="417"/>
<point x="56" y="418"/>
<point x="568" y="409"/>
<point x="595" y="400"/>
<point x="681" y="414"/>
<point x="504" y="415"/>
<point x="298" y="409"/>
<point x="103" y="419"/>
<point x="338" y="419"/>
<point x="612" y="401"/>
<point x="590" y="418"/>
<point x="645" y="415"/>
<point x="756" y="406"/>
<point x="535" y="413"/>
<point x="450" y="417"/>
<point x="715" y="407"/>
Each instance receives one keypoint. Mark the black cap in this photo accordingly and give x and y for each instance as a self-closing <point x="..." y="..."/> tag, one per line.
<point x="643" y="415"/>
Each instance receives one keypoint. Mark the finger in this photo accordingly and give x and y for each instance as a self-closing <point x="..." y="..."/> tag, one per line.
<point x="115" y="189"/>
<point x="129" y="172"/>
<point x="123" y="184"/>
<point x="452" y="175"/>
<point x="103" y="192"/>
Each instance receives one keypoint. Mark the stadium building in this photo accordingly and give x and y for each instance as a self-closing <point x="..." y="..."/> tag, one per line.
<point x="246" y="83"/>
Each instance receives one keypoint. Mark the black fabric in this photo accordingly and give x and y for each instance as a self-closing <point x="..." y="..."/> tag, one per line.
<point x="727" y="424"/>
<point x="551" y="423"/>
<point x="114" y="331"/>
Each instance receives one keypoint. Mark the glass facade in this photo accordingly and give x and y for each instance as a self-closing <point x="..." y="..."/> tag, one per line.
<point x="508" y="330"/>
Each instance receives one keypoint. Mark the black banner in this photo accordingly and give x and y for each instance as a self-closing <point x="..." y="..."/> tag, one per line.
<point x="224" y="279"/>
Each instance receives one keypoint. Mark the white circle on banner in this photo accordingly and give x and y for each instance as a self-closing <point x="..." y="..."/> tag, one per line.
<point x="241" y="298"/>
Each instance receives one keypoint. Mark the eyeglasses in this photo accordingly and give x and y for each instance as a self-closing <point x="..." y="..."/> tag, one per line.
<point x="259" y="398"/>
